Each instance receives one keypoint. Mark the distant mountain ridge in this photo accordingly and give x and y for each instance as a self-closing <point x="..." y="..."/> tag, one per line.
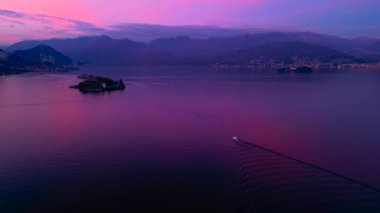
<point x="187" y="47"/>
<point x="186" y="50"/>
<point x="285" y="52"/>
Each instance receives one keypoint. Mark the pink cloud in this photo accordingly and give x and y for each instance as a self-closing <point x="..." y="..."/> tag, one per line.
<point x="68" y="8"/>
<point x="15" y="26"/>
<point x="8" y="38"/>
<point x="143" y="11"/>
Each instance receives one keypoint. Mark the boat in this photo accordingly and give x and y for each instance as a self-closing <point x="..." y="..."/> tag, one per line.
<point x="235" y="139"/>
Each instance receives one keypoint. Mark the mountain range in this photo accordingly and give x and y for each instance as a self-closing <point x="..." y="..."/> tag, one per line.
<point x="185" y="50"/>
<point x="185" y="46"/>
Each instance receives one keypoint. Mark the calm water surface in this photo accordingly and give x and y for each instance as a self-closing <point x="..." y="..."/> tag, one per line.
<point x="166" y="140"/>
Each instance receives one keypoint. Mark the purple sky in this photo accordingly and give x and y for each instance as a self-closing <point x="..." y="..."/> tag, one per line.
<point x="22" y="19"/>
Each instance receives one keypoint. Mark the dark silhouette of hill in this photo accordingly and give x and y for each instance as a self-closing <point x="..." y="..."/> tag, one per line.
<point x="11" y="64"/>
<point x="43" y="54"/>
<point x="3" y="55"/>
<point x="7" y="59"/>
<point x="37" y="59"/>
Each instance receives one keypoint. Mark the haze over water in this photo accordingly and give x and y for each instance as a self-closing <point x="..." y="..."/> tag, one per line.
<point x="167" y="138"/>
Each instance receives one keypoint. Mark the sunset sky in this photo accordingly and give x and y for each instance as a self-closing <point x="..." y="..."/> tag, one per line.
<point x="34" y="19"/>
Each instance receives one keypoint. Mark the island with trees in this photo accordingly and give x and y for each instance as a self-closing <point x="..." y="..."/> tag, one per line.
<point x="98" y="84"/>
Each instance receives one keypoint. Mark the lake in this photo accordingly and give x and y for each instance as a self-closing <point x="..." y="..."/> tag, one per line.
<point x="165" y="142"/>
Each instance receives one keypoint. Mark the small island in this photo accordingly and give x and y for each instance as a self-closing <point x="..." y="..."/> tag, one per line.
<point x="98" y="84"/>
<point x="302" y="69"/>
